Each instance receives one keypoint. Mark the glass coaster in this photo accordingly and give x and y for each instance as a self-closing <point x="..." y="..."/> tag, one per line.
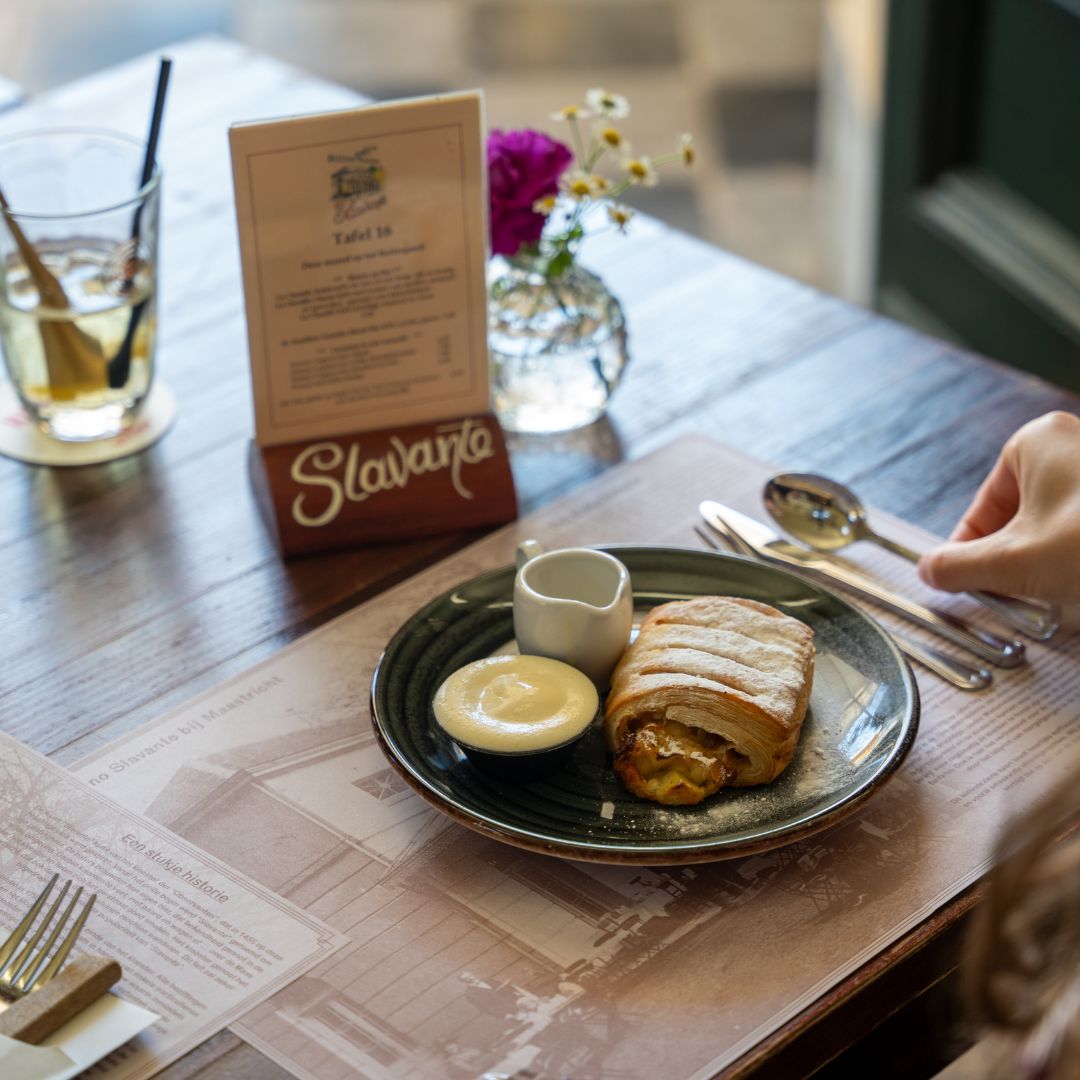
<point x="21" y="439"/>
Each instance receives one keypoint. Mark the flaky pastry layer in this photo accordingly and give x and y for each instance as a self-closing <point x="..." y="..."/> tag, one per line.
<point x="713" y="692"/>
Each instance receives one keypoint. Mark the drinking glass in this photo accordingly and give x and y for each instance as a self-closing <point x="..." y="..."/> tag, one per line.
<point x="78" y="277"/>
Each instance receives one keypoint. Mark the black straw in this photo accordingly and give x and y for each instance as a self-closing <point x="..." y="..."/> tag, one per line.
<point x="155" y="120"/>
<point x="119" y="367"/>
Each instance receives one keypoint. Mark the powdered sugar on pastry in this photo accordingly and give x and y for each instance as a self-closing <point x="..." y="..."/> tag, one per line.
<point x="721" y="685"/>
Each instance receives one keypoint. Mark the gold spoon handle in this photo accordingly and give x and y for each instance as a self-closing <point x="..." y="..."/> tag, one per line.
<point x="73" y="359"/>
<point x="895" y="547"/>
<point x="1031" y="617"/>
<point x="49" y="288"/>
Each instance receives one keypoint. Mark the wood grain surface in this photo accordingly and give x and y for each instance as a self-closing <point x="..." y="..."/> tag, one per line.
<point x="128" y="587"/>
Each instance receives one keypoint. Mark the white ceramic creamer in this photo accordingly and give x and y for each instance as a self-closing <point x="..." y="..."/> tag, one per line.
<point x="574" y="605"/>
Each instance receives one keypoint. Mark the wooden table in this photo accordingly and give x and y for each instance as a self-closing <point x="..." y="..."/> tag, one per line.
<point x="131" y="586"/>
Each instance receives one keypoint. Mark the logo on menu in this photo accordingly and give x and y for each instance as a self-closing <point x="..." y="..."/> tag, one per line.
<point x="357" y="184"/>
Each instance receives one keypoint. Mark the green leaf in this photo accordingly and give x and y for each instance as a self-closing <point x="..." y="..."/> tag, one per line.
<point x="559" y="263"/>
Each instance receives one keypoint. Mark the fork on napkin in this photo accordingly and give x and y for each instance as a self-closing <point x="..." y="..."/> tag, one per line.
<point x="42" y="991"/>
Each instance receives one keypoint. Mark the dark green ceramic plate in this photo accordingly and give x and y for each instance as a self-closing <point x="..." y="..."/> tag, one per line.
<point x="861" y="722"/>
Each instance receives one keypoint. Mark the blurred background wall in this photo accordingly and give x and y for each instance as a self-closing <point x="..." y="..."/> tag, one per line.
<point x="783" y="96"/>
<point x="920" y="157"/>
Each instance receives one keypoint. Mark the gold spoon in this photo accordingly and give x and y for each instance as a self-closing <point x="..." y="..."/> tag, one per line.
<point x="829" y="516"/>
<point x="74" y="359"/>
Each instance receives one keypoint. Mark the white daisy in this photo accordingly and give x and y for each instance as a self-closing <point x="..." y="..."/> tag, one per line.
<point x="613" y="137"/>
<point x="572" y="112"/>
<point x="577" y="185"/>
<point x="641" y="171"/>
<point x="619" y="216"/>
<point x="608" y="104"/>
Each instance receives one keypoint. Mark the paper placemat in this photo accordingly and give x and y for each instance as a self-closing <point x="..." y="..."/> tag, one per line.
<point x="471" y="957"/>
<point x="20" y="437"/>
<point x="199" y="942"/>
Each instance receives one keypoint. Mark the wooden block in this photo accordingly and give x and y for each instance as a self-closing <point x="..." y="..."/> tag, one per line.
<point x="80" y="983"/>
<point x="384" y="485"/>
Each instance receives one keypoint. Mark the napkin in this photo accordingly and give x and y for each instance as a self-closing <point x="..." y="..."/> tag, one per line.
<point x="98" y="1030"/>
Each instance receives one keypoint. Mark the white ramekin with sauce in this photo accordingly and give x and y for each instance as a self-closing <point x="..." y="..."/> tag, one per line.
<point x="516" y="714"/>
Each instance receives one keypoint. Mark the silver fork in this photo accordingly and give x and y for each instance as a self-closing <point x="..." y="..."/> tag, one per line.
<point x="962" y="675"/>
<point x="24" y="966"/>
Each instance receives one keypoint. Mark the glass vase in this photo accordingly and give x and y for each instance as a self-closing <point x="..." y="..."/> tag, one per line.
<point x="558" y="347"/>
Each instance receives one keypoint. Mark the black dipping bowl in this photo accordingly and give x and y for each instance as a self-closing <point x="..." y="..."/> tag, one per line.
<point x="523" y="765"/>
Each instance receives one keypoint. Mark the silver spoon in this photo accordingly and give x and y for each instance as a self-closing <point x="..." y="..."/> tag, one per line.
<point x="828" y="516"/>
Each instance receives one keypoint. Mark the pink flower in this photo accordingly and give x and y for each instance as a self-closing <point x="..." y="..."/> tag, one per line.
<point x="523" y="166"/>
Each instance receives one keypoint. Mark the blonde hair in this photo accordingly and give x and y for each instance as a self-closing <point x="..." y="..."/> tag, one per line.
<point x="1021" y="973"/>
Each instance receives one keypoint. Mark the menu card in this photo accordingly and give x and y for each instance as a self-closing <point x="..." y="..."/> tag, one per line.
<point x="470" y="957"/>
<point x="363" y="246"/>
<point x="199" y="942"/>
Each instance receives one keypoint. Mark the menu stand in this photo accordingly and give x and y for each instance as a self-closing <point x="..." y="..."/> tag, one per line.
<point x="393" y="484"/>
<point x="363" y="246"/>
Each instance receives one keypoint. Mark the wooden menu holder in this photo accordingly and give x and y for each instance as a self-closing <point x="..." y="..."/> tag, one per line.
<point x="442" y="476"/>
<point x="363" y="246"/>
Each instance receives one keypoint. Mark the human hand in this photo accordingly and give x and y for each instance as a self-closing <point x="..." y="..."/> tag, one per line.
<point x="1021" y="533"/>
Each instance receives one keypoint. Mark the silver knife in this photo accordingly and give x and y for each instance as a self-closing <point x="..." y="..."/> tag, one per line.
<point x="953" y="670"/>
<point x="769" y="545"/>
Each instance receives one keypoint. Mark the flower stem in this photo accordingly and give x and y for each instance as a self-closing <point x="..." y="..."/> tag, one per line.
<point x="575" y="131"/>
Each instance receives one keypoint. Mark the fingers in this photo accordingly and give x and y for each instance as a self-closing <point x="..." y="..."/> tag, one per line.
<point x="995" y="503"/>
<point x="962" y="566"/>
<point x="1029" y="550"/>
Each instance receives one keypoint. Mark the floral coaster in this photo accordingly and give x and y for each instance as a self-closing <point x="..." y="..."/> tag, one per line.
<point x="22" y="440"/>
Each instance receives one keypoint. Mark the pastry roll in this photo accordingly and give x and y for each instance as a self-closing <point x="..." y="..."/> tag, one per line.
<point x="712" y="693"/>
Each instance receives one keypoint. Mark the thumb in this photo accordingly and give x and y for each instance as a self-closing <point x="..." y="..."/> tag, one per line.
<point x="986" y="563"/>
